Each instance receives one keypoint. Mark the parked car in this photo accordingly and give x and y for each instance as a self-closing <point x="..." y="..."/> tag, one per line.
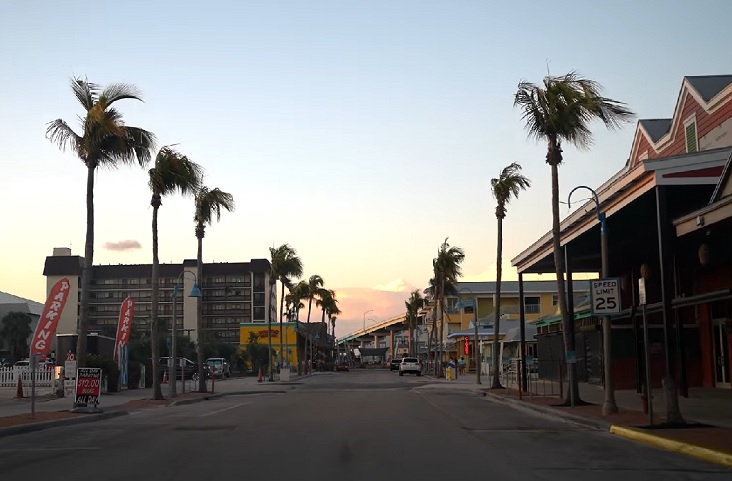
<point x="342" y="367"/>
<point x="219" y="367"/>
<point x="410" y="365"/>
<point x="394" y="365"/>
<point x="190" y="371"/>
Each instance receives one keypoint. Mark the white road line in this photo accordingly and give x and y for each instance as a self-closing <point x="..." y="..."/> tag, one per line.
<point x="40" y="450"/>
<point x="224" y="409"/>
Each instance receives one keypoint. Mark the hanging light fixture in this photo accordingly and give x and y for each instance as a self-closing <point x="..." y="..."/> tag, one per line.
<point x="704" y="254"/>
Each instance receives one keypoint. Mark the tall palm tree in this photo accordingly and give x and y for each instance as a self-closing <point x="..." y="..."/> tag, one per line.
<point x="208" y="206"/>
<point x="105" y="141"/>
<point x="413" y="305"/>
<point x="447" y="270"/>
<point x="315" y="286"/>
<point x="329" y="304"/>
<point x="561" y="110"/>
<point x="284" y="265"/>
<point x="173" y="172"/>
<point x="299" y="292"/>
<point x="507" y="185"/>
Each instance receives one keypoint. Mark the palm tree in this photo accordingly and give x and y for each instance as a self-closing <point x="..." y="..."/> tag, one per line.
<point x="559" y="111"/>
<point x="15" y="330"/>
<point x="447" y="270"/>
<point x="107" y="142"/>
<point x="314" y="288"/>
<point x="173" y="172"/>
<point x="507" y="185"/>
<point x="329" y="305"/>
<point x="413" y="305"/>
<point x="284" y="265"/>
<point x="208" y="203"/>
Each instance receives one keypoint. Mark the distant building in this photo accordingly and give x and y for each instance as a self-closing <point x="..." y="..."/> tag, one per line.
<point x="234" y="294"/>
<point x="10" y="303"/>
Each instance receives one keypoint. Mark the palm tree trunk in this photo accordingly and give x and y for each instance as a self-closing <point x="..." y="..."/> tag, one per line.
<point x="497" y="356"/>
<point x="154" y="345"/>
<point x="440" y="345"/>
<point x="567" y="323"/>
<point x="269" y="334"/>
<point x="282" y="314"/>
<point x="86" y="272"/>
<point x="199" y="311"/>
<point x="308" y="341"/>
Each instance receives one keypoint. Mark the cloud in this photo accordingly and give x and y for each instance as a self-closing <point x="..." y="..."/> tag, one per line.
<point x="397" y="285"/>
<point x="122" y="245"/>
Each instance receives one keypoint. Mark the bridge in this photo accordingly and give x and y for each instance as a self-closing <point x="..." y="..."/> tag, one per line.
<point x="394" y="324"/>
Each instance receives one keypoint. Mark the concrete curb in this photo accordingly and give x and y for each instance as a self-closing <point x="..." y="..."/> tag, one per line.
<point x="699" y="452"/>
<point x="40" y="426"/>
<point x="549" y="412"/>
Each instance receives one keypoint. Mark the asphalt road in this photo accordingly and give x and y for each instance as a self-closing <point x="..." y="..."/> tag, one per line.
<point x="362" y="425"/>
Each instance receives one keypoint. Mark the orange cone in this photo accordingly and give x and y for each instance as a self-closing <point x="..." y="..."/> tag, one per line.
<point x="19" y="393"/>
<point x="260" y="378"/>
<point x="165" y="377"/>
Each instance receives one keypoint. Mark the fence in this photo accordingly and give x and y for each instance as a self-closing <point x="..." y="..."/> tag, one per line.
<point x="540" y="380"/>
<point x="9" y="376"/>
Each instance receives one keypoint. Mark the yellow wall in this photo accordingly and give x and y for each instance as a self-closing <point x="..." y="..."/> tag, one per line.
<point x="289" y="338"/>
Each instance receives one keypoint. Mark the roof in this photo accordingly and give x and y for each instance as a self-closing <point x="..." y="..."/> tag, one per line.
<point x="512" y="287"/>
<point x="723" y="179"/>
<point x="656" y="128"/>
<point x="507" y="327"/>
<point x="708" y="86"/>
<point x="34" y="307"/>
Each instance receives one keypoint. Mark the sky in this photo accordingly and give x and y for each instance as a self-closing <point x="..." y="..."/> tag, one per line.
<point x="363" y="133"/>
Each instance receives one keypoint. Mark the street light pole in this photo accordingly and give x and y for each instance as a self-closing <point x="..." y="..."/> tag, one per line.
<point x="172" y="366"/>
<point x="609" y="406"/>
<point x="364" y="319"/>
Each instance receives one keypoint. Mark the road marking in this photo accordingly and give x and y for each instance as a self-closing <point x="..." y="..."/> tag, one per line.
<point x="224" y="409"/>
<point x="40" y="450"/>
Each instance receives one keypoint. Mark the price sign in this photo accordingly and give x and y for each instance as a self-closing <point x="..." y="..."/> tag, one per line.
<point x="88" y="386"/>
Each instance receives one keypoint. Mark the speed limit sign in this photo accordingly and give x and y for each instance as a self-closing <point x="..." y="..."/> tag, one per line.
<point x="605" y="295"/>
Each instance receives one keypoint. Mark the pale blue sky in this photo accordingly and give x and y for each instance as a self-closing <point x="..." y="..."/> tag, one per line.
<point x="373" y="126"/>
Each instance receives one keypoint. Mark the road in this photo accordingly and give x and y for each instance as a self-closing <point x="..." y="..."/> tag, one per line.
<point x="361" y="425"/>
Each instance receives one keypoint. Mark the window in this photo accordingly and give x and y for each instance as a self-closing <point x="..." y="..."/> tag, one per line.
<point x="555" y="300"/>
<point x="532" y="305"/>
<point x="219" y="307"/>
<point x="691" y="142"/>
<point x="258" y="313"/>
<point x="259" y="299"/>
<point x="451" y="305"/>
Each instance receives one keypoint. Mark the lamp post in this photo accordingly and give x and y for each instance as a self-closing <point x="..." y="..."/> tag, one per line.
<point x="364" y="319"/>
<point x="195" y="292"/>
<point x="609" y="406"/>
<point x="476" y="350"/>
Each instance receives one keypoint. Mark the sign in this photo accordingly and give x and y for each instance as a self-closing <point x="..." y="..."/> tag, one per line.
<point x="605" y="294"/>
<point x="48" y="322"/>
<point x="70" y="356"/>
<point x="126" y="313"/>
<point x="466" y="345"/>
<point x="269" y="333"/>
<point x="88" y="385"/>
<point x="571" y="357"/>
<point x="641" y="292"/>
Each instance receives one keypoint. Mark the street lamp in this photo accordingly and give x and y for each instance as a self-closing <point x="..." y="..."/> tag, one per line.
<point x="609" y="406"/>
<point x="474" y="304"/>
<point x="195" y="292"/>
<point x="364" y="319"/>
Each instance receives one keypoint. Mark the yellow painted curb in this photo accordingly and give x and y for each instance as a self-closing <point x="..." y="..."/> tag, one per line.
<point x="706" y="454"/>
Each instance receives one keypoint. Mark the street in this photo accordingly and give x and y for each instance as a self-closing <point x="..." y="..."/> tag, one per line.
<point x="359" y="425"/>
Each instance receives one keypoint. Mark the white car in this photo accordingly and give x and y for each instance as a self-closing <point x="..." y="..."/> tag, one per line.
<point x="410" y="365"/>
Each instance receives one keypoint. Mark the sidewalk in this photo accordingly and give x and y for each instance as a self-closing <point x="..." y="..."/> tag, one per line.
<point x="710" y="441"/>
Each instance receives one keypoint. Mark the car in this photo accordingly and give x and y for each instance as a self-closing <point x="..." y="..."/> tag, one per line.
<point x="190" y="371"/>
<point x="410" y="365"/>
<point x="394" y="365"/>
<point x="342" y="367"/>
<point x="219" y="367"/>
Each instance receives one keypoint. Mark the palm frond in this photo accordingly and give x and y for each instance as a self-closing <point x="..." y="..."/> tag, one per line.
<point x="61" y="134"/>
<point x="119" y="91"/>
<point x="131" y="146"/>
<point x="210" y="203"/>
<point x="86" y="93"/>
<point x="508" y="184"/>
<point x="174" y="172"/>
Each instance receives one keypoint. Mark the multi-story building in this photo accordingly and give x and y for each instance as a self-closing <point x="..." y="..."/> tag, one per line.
<point x="234" y="294"/>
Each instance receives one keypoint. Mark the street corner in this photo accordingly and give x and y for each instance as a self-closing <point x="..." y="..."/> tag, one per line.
<point x="708" y="454"/>
<point x="25" y="423"/>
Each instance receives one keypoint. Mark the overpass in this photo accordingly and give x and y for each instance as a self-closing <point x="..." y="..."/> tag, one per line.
<point x="397" y="323"/>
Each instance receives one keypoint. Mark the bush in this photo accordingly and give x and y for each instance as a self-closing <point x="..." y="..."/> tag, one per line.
<point x="109" y="370"/>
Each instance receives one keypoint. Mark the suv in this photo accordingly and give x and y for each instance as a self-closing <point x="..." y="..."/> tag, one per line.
<point x="219" y="367"/>
<point x="410" y="364"/>
<point x="394" y="365"/>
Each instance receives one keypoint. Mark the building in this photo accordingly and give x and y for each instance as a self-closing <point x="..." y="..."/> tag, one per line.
<point x="10" y="303"/>
<point x="234" y="295"/>
<point x="539" y="299"/>
<point x="663" y="190"/>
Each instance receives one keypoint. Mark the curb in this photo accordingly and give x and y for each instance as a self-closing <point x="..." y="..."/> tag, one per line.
<point x="40" y="426"/>
<point x="549" y="412"/>
<point x="183" y="402"/>
<point x="699" y="452"/>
